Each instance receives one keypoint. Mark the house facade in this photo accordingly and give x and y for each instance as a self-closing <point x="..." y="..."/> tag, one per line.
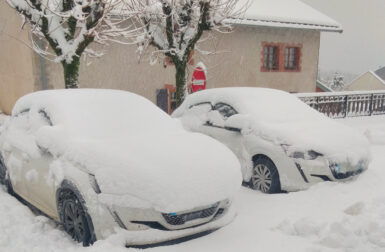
<point x="372" y="80"/>
<point x="269" y="47"/>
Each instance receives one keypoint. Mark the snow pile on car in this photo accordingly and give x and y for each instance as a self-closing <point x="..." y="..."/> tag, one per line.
<point x="132" y="147"/>
<point x="279" y="117"/>
<point x="3" y="117"/>
<point x="329" y="217"/>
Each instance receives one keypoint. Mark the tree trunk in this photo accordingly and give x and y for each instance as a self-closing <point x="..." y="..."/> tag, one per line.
<point x="180" y="82"/>
<point x="71" y="73"/>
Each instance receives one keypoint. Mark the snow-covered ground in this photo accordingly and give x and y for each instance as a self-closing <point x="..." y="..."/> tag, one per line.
<point x="328" y="217"/>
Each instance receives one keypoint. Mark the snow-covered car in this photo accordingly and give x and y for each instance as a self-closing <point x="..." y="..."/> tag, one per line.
<point x="282" y="144"/>
<point x="107" y="162"/>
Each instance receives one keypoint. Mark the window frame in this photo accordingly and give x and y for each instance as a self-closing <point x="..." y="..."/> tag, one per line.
<point x="295" y="60"/>
<point x="267" y="55"/>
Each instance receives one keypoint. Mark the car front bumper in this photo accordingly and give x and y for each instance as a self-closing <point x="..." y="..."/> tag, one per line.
<point x="140" y="226"/>
<point x="306" y="173"/>
<point x="156" y="236"/>
<point x="324" y="170"/>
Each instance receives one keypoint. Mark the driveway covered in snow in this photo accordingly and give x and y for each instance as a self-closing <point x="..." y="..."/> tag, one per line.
<point x="328" y="217"/>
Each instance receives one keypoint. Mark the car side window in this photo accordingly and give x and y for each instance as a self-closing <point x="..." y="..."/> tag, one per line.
<point x="21" y="119"/>
<point x="45" y="116"/>
<point x="225" y="110"/>
<point x="24" y="112"/>
<point x="206" y="105"/>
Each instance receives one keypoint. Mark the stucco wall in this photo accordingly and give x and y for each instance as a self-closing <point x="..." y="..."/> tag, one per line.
<point x="240" y="62"/>
<point x="17" y="76"/>
<point x="366" y="82"/>
<point x="236" y="62"/>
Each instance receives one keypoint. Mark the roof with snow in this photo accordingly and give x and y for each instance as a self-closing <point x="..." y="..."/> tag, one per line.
<point x="323" y="86"/>
<point x="285" y="13"/>
<point x="380" y="73"/>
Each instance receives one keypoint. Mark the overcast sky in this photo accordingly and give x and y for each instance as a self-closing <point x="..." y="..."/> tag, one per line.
<point x="361" y="47"/>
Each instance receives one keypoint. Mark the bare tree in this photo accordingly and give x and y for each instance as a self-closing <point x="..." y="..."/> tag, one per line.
<point x="69" y="27"/>
<point x="338" y="82"/>
<point x="174" y="27"/>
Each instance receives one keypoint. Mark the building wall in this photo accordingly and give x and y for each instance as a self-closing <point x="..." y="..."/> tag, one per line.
<point x="236" y="61"/>
<point x="241" y="61"/>
<point x="17" y="76"/>
<point x="366" y="82"/>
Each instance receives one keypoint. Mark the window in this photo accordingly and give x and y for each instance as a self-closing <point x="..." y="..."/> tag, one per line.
<point x="271" y="57"/>
<point x="292" y="58"/>
<point x="281" y="57"/>
<point x="225" y="110"/>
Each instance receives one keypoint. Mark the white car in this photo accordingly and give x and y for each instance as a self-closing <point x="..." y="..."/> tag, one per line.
<point x="282" y="144"/>
<point x="103" y="162"/>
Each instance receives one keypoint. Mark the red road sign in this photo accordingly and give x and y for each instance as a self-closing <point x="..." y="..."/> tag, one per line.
<point x="198" y="81"/>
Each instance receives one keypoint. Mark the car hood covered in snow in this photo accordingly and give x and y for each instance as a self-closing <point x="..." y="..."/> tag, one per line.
<point x="279" y="117"/>
<point x="136" y="151"/>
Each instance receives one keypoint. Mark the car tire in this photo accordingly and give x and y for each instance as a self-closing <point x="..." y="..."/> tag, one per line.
<point x="265" y="176"/>
<point x="3" y="171"/>
<point x="4" y="176"/>
<point x="74" y="218"/>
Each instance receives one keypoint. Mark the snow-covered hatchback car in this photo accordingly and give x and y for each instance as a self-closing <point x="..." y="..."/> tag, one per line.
<point x="282" y="143"/>
<point x="104" y="161"/>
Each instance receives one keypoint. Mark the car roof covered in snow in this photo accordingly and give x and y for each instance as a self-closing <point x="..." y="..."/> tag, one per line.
<point x="284" y="13"/>
<point x="89" y="112"/>
<point x="263" y="103"/>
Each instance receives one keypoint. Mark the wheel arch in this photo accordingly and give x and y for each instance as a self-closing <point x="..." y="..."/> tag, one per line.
<point x="257" y="156"/>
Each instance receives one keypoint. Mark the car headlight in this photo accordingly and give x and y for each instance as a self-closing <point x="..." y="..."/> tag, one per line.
<point x="308" y="155"/>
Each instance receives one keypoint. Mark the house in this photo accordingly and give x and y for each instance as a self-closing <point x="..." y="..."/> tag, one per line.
<point x="274" y="44"/>
<point x="372" y="80"/>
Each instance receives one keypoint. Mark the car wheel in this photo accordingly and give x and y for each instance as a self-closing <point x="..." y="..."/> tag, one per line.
<point x="75" y="219"/>
<point x="265" y="176"/>
<point x="3" y="171"/>
<point x="4" y="177"/>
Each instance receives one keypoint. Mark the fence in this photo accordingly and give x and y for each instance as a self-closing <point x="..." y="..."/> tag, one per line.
<point x="346" y="104"/>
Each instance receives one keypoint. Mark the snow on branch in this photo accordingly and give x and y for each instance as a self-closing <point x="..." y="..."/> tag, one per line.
<point x="175" y="26"/>
<point x="70" y="26"/>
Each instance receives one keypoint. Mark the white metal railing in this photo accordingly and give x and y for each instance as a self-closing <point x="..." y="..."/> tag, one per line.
<point x="346" y="104"/>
